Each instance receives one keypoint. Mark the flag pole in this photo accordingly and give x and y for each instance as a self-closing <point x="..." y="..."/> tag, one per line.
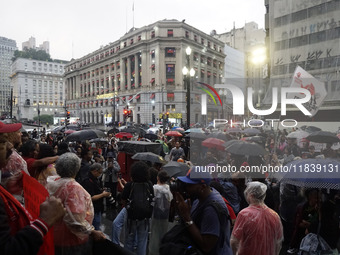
<point x="133" y="14"/>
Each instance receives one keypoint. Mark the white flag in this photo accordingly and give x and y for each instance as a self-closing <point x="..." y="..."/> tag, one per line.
<point x="303" y="79"/>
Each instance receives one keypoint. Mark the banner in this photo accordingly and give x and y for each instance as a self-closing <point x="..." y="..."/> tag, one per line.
<point x="302" y="79"/>
<point x="35" y="194"/>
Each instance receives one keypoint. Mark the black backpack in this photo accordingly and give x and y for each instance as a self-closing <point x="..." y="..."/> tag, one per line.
<point x="177" y="241"/>
<point x="140" y="202"/>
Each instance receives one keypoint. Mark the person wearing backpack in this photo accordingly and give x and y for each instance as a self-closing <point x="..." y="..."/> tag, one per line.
<point x="205" y="227"/>
<point x="137" y="197"/>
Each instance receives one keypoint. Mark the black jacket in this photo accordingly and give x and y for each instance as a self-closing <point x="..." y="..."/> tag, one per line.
<point x="94" y="187"/>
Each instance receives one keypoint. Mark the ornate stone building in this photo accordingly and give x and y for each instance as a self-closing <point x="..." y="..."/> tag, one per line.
<point x="142" y="71"/>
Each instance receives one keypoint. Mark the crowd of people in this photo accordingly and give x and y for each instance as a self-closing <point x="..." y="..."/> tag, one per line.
<point x="155" y="213"/>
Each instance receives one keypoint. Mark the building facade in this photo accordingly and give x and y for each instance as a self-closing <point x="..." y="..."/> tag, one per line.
<point x="38" y="86"/>
<point x="142" y="71"/>
<point x="31" y="44"/>
<point x="247" y="40"/>
<point x="7" y="49"/>
<point x="234" y="74"/>
<point x="306" y="34"/>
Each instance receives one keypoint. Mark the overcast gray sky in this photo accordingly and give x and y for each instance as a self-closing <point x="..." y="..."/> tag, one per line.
<point x="75" y="28"/>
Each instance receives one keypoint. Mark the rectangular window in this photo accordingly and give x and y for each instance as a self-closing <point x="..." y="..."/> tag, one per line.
<point x="170" y="52"/>
<point x="170" y="74"/>
<point x="153" y="34"/>
<point x="186" y="34"/>
<point x="202" y="73"/>
<point x="170" y="33"/>
<point x="195" y="38"/>
<point x="170" y="97"/>
<point x="195" y="57"/>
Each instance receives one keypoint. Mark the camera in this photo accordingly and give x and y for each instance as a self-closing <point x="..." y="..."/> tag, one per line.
<point x="111" y="199"/>
<point x="177" y="186"/>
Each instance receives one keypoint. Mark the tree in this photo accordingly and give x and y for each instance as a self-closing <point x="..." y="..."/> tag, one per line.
<point x="44" y="118"/>
<point x="32" y="54"/>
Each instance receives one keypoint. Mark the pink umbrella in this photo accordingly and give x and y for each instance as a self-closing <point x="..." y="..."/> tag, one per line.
<point x="124" y="134"/>
<point x="69" y="131"/>
<point x="173" y="133"/>
<point x="214" y="143"/>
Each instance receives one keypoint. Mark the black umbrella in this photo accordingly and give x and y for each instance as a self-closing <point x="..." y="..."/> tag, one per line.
<point x="150" y="136"/>
<point x="234" y="130"/>
<point x="201" y="136"/>
<point x="140" y="131"/>
<point x="149" y="156"/>
<point x="230" y="142"/>
<point x="83" y="135"/>
<point x="323" y="137"/>
<point x="251" y="131"/>
<point x="99" y="140"/>
<point x="174" y="168"/>
<point x="246" y="148"/>
<point x="255" y="139"/>
<point x="222" y="136"/>
<point x="112" y="131"/>
<point x="310" y="129"/>
<point x="129" y="130"/>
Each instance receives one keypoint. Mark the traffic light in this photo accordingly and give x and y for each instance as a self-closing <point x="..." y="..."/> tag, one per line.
<point x="167" y="115"/>
<point x="125" y="113"/>
<point x="68" y="117"/>
<point x="129" y="113"/>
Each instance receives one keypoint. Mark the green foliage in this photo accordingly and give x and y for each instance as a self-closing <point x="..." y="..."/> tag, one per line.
<point x="32" y="54"/>
<point x="44" y="118"/>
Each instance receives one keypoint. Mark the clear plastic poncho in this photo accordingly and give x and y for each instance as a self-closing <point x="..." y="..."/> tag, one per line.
<point x="76" y="225"/>
<point x="258" y="229"/>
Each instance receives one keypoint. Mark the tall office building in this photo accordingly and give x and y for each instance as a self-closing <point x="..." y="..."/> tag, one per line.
<point x="306" y="34"/>
<point x="7" y="48"/>
<point x="142" y="71"/>
<point x="31" y="44"/>
<point x="38" y="85"/>
<point x="241" y="45"/>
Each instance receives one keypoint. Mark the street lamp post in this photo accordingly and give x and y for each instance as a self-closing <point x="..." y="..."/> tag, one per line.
<point x="38" y="118"/>
<point x="11" y="105"/>
<point x="188" y="72"/>
<point x="114" y="110"/>
<point x="225" y="93"/>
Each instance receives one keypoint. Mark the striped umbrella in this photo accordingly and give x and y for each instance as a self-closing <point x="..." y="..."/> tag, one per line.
<point x="313" y="173"/>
